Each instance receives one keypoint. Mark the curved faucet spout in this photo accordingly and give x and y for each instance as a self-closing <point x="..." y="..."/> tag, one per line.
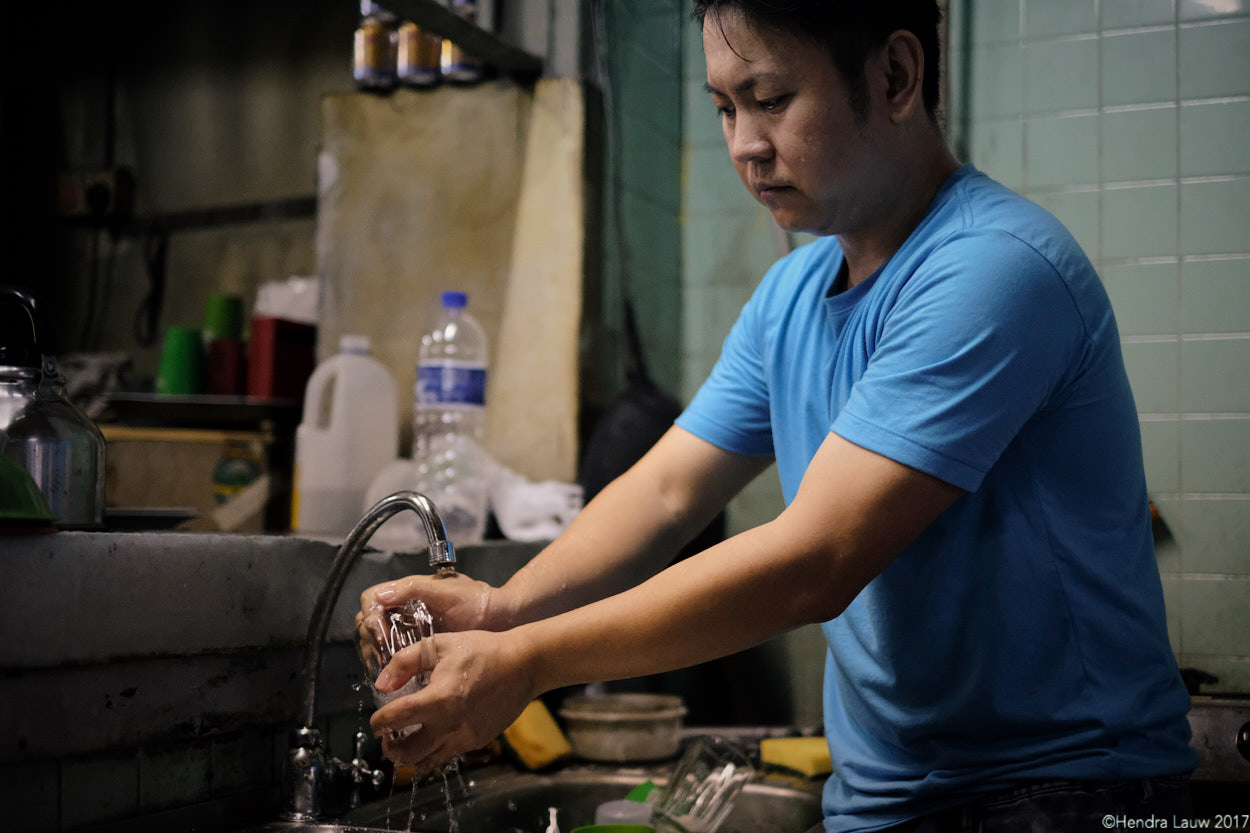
<point x="304" y="782"/>
<point x="442" y="559"/>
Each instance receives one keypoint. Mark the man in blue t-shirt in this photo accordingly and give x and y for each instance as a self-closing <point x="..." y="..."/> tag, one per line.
<point x="939" y="380"/>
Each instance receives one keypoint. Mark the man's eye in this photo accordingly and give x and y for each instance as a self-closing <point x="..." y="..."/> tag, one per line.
<point x="725" y="111"/>
<point x="772" y="104"/>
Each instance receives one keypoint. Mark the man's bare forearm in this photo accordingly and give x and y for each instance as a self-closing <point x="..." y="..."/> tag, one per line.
<point x="629" y="532"/>
<point x="854" y="513"/>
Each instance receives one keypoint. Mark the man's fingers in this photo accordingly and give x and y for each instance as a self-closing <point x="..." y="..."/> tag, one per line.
<point x="419" y="707"/>
<point x="396" y="721"/>
<point x="395" y="715"/>
<point x="435" y="760"/>
<point x="425" y="746"/>
<point x="406" y="664"/>
<point x="410" y="748"/>
<point x="425" y="757"/>
<point x="385" y="594"/>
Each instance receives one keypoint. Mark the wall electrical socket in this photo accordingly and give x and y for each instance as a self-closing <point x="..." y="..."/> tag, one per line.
<point x="105" y="194"/>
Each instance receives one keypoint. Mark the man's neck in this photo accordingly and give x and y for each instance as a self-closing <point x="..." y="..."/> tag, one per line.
<point x="912" y="190"/>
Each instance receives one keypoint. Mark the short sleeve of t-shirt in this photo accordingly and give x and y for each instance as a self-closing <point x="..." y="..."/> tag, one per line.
<point x="980" y="338"/>
<point x="732" y="409"/>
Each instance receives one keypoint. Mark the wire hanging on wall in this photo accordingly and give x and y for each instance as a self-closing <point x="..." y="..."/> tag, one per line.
<point x="148" y="315"/>
<point x="606" y="81"/>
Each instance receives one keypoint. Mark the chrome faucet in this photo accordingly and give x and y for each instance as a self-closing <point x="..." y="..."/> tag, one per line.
<point x="305" y="771"/>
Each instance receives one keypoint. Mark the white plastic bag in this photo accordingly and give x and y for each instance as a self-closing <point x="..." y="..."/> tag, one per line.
<point x="528" y="511"/>
<point x="525" y="511"/>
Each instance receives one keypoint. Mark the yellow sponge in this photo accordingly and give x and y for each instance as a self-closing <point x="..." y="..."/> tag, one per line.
<point x="535" y="738"/>
<point x="810" y="756"/>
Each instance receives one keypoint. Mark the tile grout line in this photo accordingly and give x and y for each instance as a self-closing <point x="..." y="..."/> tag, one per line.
<point x="1180" y="298"/>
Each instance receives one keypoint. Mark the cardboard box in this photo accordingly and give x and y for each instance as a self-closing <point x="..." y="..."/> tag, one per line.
<point x="174" y="467"/>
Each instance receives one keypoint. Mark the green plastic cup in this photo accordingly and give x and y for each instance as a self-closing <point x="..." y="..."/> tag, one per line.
<point x="181" y="371"/>
<point x="223" y="316"/>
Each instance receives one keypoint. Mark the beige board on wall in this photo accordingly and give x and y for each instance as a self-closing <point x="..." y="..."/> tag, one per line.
<point x="479" y="189"/>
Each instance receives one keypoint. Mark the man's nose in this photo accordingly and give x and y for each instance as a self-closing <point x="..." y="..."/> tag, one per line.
<point x="747" y="142"/>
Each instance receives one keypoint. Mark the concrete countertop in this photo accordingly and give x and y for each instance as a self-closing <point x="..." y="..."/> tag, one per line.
<point x="128" y="638"/>
<point x="80" y="597"/>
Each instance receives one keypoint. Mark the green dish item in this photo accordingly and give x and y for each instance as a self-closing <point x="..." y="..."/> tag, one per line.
<point x="615" y="828"/>
<point x="640" y="792"/>
<point x="20" y="498"/>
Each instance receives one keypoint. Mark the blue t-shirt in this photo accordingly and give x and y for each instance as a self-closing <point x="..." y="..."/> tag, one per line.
<point x="1021" y="636"/>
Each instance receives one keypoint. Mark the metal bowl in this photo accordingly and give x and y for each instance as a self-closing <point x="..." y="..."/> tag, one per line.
<point x="620" y="728"/>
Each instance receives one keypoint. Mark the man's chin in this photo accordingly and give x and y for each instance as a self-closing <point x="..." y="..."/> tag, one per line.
<point x="788" y="222"/>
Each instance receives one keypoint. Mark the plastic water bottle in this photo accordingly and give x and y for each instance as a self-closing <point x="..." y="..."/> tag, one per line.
<point x="350" y="432"/>
<point x="449" y="415"/>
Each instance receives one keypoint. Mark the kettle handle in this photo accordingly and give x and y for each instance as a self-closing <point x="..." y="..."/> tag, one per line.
<point x="41" y="326"/>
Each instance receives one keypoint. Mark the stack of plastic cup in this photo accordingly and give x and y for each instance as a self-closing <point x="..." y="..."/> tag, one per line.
<point x="223" y="340"/>
<point x="181" y="371"/>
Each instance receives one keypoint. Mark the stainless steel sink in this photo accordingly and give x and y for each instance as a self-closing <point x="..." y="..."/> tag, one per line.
<point x="500" y="800"/>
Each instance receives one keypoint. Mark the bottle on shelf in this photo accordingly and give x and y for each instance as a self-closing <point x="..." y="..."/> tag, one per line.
<point x="418" y="56"/>
<point x="375" y="50"/>
<point x="449" y="419"/>
<point x="457" y="65"/>
<point x="241" y="464"/>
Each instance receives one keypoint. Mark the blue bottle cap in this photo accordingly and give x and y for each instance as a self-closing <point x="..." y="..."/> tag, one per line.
<point x="454" y="299"/>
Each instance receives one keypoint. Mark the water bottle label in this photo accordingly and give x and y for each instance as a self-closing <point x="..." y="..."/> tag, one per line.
<point x="451" y="383"/>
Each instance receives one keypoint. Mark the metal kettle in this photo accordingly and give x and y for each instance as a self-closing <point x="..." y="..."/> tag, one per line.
<point x="40" y="429"/>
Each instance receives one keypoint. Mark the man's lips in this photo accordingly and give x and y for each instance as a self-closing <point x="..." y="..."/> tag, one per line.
<point x="771" y="190"/>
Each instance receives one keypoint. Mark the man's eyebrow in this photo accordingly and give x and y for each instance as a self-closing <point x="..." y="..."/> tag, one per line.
<point x="745" y="84"/>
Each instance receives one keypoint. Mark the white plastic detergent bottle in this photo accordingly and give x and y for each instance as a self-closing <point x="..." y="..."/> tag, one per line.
<point x="350" y="431"/>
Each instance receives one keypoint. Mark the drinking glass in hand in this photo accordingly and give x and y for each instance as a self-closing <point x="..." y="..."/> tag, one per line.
<point x="384" y="632"/>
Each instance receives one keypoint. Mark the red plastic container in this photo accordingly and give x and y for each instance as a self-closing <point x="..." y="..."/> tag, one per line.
<point x="281" y="357"/>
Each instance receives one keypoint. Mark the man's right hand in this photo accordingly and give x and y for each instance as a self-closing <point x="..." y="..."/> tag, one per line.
<point x="457" y="602"/>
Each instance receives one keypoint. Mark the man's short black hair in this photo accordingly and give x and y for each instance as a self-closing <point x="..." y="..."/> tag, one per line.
<point x="851" y="29"/>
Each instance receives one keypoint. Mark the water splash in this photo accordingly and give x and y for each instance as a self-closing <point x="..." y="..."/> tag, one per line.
<point x="389" y="796"/>
<point x="465" y="791"/>
<point x="412" y="804"/>
<point x="453" y="823"/>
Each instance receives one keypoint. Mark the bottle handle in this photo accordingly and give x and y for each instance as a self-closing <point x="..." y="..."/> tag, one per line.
<point x="319" y="396"/>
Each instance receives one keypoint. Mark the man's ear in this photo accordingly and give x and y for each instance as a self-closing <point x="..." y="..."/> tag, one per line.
<point x="904" y="66"/>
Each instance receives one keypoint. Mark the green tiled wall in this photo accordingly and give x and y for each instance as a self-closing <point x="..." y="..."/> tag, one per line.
<point x="1129" y="119"/>
<point x="642" y="246"/>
